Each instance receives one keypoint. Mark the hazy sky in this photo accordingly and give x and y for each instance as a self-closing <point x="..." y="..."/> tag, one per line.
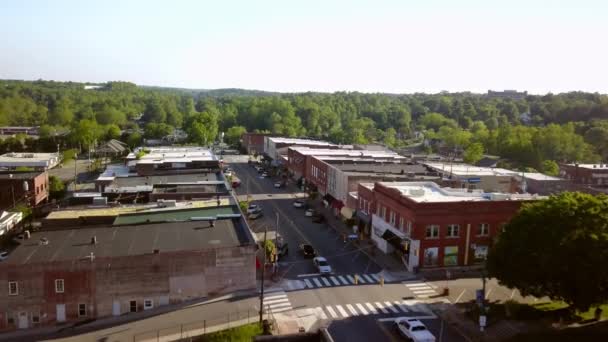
<point x="372" y="46"/>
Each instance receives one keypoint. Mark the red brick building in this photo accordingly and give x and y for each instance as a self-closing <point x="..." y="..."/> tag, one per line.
<point x="429" y="226"/>
<point x="253" y="143"/>
<point x="590" y="174"/>
<point x="12" y="190"/>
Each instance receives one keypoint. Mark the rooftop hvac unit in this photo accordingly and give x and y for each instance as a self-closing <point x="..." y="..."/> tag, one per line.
<point x="499" y="197"/>
<point x="166" y="203"/>
<point x="416" y="192"/>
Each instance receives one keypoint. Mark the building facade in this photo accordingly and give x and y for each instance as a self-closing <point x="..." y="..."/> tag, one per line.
<point x="588" y="174"/>
<point x="253" y="143"/>
<point x="429" y="226"/>
<point x="13" y="190"/>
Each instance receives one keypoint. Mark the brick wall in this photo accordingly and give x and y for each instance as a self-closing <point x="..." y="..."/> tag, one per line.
<point x="316" y="171"/>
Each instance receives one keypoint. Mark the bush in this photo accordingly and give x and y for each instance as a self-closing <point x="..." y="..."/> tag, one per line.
<point x="56" y="188"/>
<point x="68" y="155"/>
<point x="244" y="205"/>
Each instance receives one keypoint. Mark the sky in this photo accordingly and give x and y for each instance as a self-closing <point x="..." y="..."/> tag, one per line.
<point x="399" y="46"/>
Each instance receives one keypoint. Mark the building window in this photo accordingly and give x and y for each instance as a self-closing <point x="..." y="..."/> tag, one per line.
<point x="148" y="304"/>
<point x="392" y="218"/>
<point x="401" y="223"/>
<point x="432" y="231"/>
<point x="82" y="310"/>
<point x="133" y="306"/>
<point x="483" y="229"/>
<point x="35" y="318"/>
<point x="383" y="213"/>
<point x="481" y="253"/>
<point x="13" y="288"/>
<point x="453" y="230"/>
<point x="59" y="288"/>
<point x="431" y="256"/>
<point x="450" y="256"/>
<point x="408" y="228"/>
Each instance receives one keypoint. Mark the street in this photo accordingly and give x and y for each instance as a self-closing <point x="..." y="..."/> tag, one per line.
<point x="352" y="300"/>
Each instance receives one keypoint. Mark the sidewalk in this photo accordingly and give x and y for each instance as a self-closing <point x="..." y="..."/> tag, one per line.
<point x="394" y="269"/>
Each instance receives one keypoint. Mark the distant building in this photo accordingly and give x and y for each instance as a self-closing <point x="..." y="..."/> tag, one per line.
<point x="275" y="148"/>
<point x="253" y="143"/>
<point x="13" y="130"/>
<point x="507" y="94"/>
<point x="13" y="190"/>
<point x="426" y="225"/>
<point x="112" y="148"/>
<point x="172" y="160"/>
<point x="38" y="161"/>
<point x="588" y="174"/>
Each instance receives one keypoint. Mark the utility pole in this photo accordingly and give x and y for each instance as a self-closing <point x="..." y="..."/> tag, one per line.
<point x="263" y="268"/>
<point x="75" y="171"/>
<point x="277" y="233"/>
<point x="482" y="316"/>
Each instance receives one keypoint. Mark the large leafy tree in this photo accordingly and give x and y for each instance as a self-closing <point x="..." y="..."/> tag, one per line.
<point x="558" y="248"/>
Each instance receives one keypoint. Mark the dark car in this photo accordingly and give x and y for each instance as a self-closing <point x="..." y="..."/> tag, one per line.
<point x="308" y="251"/>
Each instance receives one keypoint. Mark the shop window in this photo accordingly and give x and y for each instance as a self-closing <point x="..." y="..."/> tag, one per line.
<point x="432" y="231"/>
<point x="13" y="288"/>
<point x="82" y="310"/>
<point x="148" y="304"/>
<point x="481" y="253"/>
<point x="431" y="256"/>
<point x="133" y="306"/>
<point x="450" y="256"/>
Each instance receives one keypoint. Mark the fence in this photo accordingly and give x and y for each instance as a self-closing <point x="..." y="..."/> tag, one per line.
<point x="187" y="331"/>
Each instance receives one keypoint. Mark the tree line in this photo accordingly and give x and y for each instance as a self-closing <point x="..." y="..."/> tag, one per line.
<point x="535" y="132"/>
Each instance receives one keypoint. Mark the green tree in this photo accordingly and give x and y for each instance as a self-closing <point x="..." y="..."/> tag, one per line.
<point x="112" y="132"/>
<point x="234" y="133"/>
<point x="556" y="248"/>
<point x="86" y="132"/>
<point x="56" y="188"/>
<point x="473" y="153"/>
<point x="390" y="137"/>
<point x="134" y="139"/>
<point x="550" y="167"/>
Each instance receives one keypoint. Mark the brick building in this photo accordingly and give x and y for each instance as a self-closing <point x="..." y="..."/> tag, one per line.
<point x="430" y="226"/>
<point x="253" y="143"/>
<point x="71" y="275"/>
<point x="589" y="174"/>
<point x="276" y="148"/>
<point x="13" y="191"/>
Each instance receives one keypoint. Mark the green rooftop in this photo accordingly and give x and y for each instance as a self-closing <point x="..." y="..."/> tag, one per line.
<point x="167" y="215"/>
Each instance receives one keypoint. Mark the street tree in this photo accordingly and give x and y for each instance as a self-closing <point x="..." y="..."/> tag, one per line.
<point x="557" y="248"/>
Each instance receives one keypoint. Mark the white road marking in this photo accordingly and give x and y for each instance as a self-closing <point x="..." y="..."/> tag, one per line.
<point x="352" y="310"/>
<point x="308" y="275"/>
<point x="361" y="308"/>
<point x="371" y="308"/>
<point x="375" y="276"/>
<point x="331" y="311"/>
<point x="379" y="306"/>
<point x="320" y="313"/>
<point x="462" y="293"/>
<point x="343" y="280"/>
<point x="423" y="291"/>
<point x="368" y="278"/>
<point x="335" y="281"/>
<point x="270" y="296"/>
<point x="361" y="280"/>
<point x="351" y="279"/>
<point x="402" y="306"/>
<point x="280" y="309"/>
<point x="391" y="307"/>
<point x="326" y="282"/>
<point x="274" y="301"/>
<point x="308" y="283"/>
<point x="277" y="305"/>
<point x="342" y="311"/>
<point x="317" y="282"/>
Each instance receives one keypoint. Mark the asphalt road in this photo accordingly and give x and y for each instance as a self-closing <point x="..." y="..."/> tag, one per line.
<point x="354" y="312"/>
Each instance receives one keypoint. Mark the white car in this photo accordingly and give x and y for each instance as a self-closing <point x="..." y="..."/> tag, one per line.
<point x="309" y="212"/>
<point x="228" y="173"/>
<point x="252" y="208"/>
<point x="414" y="330"/>
<point x="322" y="265"/>
<point x="298" y="203"/>
<point x="3" y="255"/>
<point x="278" y="184"/>
<point x="264" y="174"/>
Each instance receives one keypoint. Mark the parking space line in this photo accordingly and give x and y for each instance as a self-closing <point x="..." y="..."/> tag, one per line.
<point x="334" y="280"/>
<point x="308" y="283"/>
<point x="390" y="306"/>
<point x="361" y="308"/>
<point x="343" y="280"/>
<point x="331" y="312"/>
<point x="368" y="278"/>
<point x="371" y="308"/>
<point x="379" y="306"/>
<point x="352" y="310"/>
<point x="317" y="282"/>
<point x="342" y="311"/>
<point x="325" y="281"/>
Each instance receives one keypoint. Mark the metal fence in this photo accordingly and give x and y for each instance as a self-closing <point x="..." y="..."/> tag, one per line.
<point x="187" y="331"/>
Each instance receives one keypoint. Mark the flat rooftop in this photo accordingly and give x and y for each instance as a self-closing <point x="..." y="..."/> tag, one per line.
<point x="29" y="159"/>
<point x="176" y="215"/>
<point x="118" y="241"/>
<point x="91" y="211"/>
<point x="430" y="192"/>
<point x="296" y="141"/>
<point x="18" y="175"/>
<point x="592" y="166"/>
<point x="470" y="170"/>
<point x="378" y="167"/>
<point x="165" y="179"/>
<point x="540" y="177"/>
<point x="342" y="152"/>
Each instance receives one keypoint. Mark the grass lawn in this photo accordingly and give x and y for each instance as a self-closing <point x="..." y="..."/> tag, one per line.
<point x="243" y="333"/>
<point x="557" y="305"/>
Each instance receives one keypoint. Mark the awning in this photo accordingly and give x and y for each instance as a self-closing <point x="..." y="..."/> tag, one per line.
<point x="393" y="239"/>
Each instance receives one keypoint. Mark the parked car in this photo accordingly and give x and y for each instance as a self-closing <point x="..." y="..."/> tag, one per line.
<point x="228" y="173"/>
<point x="322" y="265"/>
<point x="259" y="169"/>
<point x="414" y="330"/>
<point x="309" y="212"/>
<point x="256" y="214"/>
<point x="278" y="184"/>
<point x="264" y="174"/>
<point x="3" y="255"/>
<point x="252" y="207"/>
<point x="236" y="182"/>
<point x="307" y="251"/>
<point x="299" y="203"/>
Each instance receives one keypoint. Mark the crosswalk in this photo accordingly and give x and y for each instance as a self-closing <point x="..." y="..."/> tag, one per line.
<point x="397" y="307"/>
<point x="331" y="281"/>
<point x="276" y="301"/>
<point x="421" y="289"/>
